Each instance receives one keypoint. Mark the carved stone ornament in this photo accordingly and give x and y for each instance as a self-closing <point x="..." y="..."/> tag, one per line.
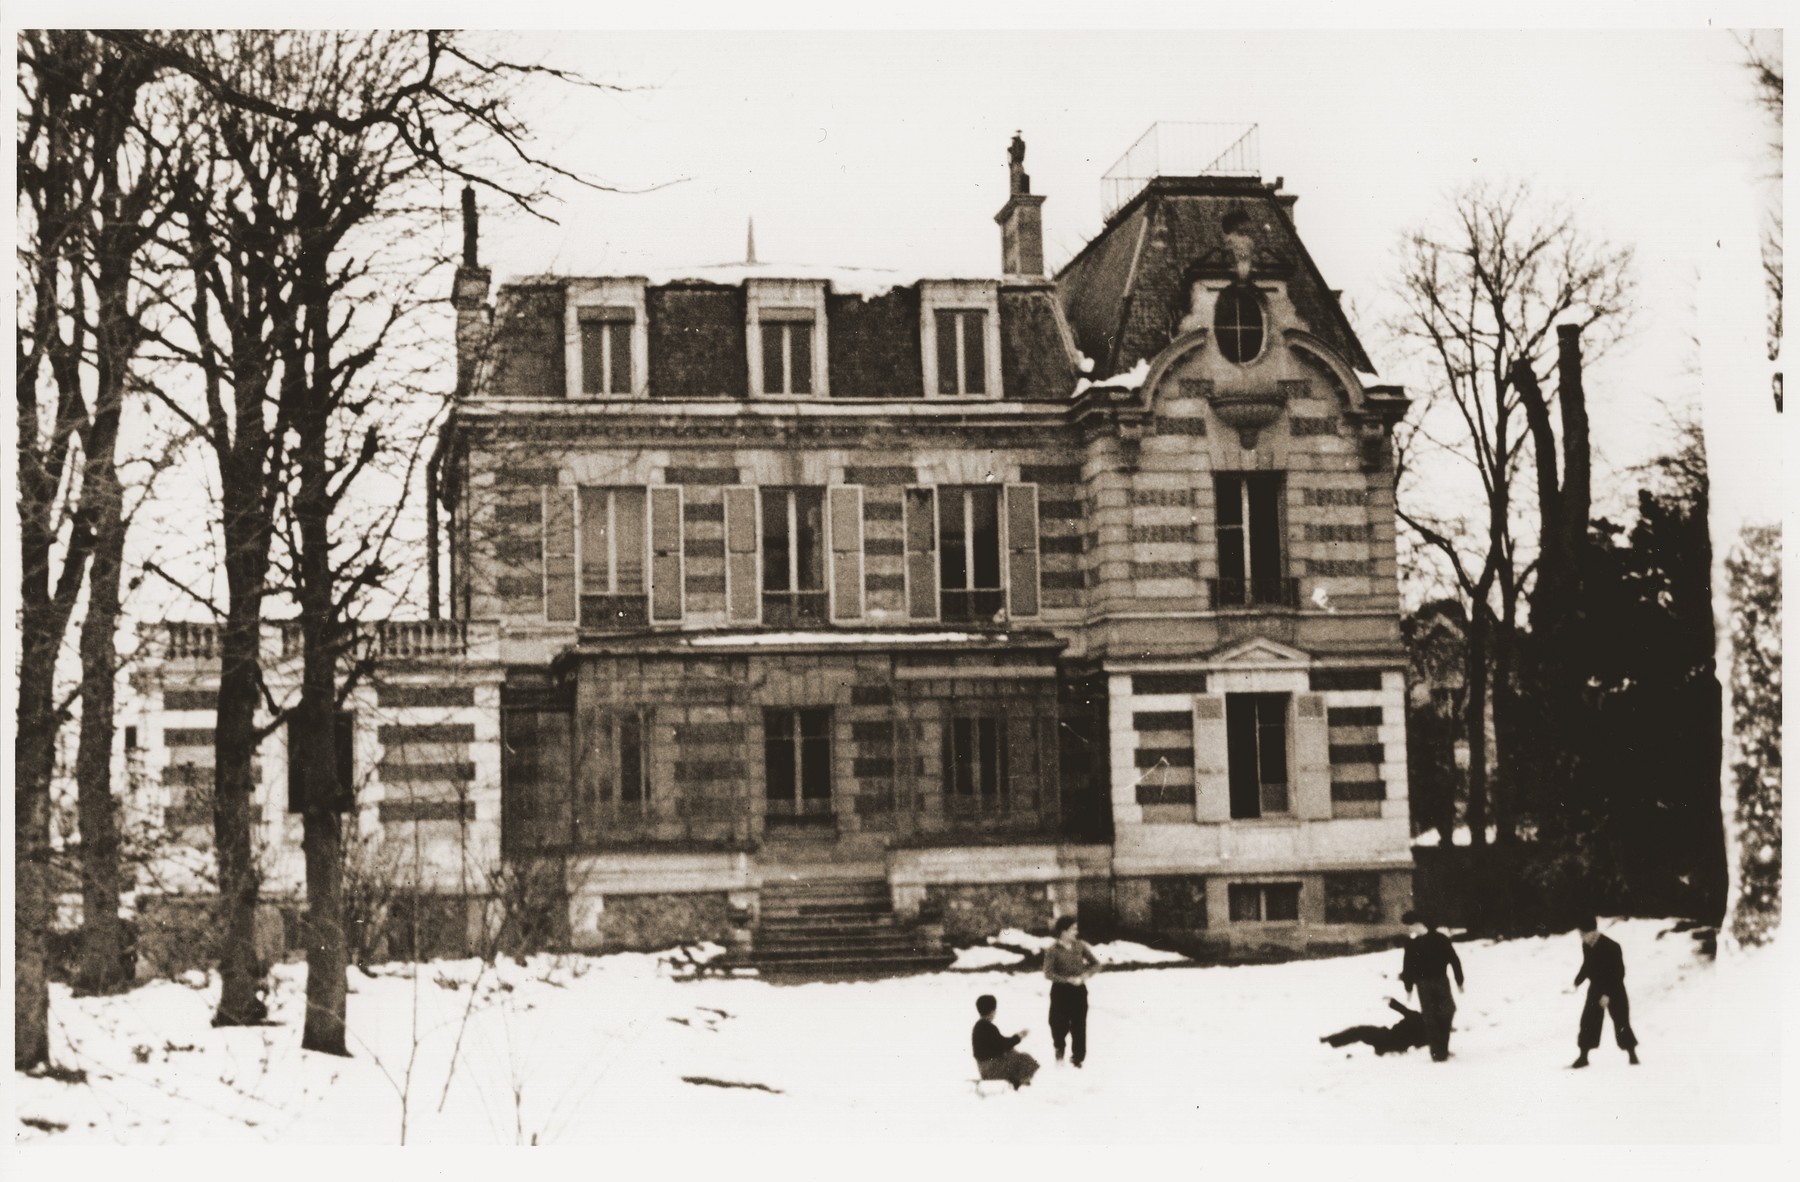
<point x="1242" y="249"/>
<point x="1372" y="441"/>
<point x="1248" y="412"/>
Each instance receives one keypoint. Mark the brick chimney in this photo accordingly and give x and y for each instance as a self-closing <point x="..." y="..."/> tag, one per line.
<point x="1021" y="220"/>
<point x="469" y="297"/>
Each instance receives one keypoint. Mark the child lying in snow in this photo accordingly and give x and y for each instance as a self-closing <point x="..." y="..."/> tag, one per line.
<point x="1403" y="1035"/>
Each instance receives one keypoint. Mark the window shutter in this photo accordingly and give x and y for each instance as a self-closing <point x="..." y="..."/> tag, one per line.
<point x="921" y="554"/>
<point x="665" y="553"/>
<point x="1212" y="772"/>
<point x="1312" y="758"/>
<point x="1022" y="548"/>
<point x="559" y="554"/>
<point x="743" y="603"/>
<point x="845" y="512"/>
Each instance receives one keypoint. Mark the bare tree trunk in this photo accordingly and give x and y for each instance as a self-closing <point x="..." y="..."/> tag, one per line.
<point x="102" y="968"/>
<point x="327" y="954"/>
<point x="1475" y="722"/>
<point x="34" y="755"/>
<point x="234" y="748"/>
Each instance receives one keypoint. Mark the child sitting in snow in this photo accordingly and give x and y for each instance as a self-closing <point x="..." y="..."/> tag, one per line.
<point x="995" y="1053"/>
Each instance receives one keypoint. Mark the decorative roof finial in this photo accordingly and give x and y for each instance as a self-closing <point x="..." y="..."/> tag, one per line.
<point x="750" y="244"/>
<point x="1015" y="152"/>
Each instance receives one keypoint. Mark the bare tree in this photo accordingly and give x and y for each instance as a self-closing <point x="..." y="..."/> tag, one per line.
<point x="1479" y="295"/>
<point x="326" y="140"/>
<point x="91" y="188"/>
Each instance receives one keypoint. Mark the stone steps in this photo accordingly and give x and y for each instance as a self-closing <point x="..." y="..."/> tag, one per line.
<point x="834" y="928"/>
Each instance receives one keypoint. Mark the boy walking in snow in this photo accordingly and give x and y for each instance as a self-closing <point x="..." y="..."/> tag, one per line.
<point x="1603" y="968"/>
<point x="1429" y="954"/>
<point x="1069" y="963"/>
<point x="995" y="1056"/>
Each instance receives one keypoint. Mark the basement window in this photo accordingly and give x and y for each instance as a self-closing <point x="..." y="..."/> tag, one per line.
<point x="1265" y="902"/>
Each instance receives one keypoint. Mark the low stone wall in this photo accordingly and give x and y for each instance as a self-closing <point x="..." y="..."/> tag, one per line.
<point x="177" y="933"/>
<point x="972" y="912"/>
<point x="643" y="923"/>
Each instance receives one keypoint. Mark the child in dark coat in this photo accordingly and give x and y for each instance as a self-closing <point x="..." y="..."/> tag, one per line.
<point x="995" y="1053"/>
<point x="1603" y="968"/>
<point x="1404" y="1035"/>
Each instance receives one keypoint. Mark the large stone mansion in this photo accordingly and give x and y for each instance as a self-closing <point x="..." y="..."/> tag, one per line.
<point x="992" y="598"/>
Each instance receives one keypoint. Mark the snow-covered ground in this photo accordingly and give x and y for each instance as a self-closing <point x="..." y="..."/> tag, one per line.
<point x="620" y="1050"/>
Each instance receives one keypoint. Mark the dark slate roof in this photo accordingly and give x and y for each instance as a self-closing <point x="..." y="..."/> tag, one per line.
<point x="1125" y="292"/>
<point x="697" y="343"/>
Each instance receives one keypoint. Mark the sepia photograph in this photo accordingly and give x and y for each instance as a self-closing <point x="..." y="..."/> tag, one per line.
<point x="732" y="586"/>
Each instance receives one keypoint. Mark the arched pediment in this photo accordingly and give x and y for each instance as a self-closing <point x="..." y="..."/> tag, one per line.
<point x="1318" y="351"/>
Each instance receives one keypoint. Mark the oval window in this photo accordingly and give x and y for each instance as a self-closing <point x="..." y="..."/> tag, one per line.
<point x="1238" y="324"/>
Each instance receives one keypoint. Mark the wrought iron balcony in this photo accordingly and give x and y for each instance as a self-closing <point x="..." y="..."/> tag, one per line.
<point x="1253" y="593"/>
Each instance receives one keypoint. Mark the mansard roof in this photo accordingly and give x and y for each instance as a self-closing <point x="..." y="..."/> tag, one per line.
<point x="697" y="343"/>
<point x="1124" y="293"/>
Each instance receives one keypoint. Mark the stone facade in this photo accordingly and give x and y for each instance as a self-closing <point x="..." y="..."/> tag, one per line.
<point x="759" y="578"/>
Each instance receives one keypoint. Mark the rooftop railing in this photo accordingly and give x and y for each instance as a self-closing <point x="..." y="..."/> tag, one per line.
<point x="1181" y="149"/>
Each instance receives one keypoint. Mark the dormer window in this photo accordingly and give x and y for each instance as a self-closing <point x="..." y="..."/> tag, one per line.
<point x="787" y="351"/>
<point x="786" y="341"/>
<point x="1238" y="324"/>
<point x="606" y="349"/>
<point x="961" y="351"/>
<point x="960" y="337"/>
<point x="606" y="337"/>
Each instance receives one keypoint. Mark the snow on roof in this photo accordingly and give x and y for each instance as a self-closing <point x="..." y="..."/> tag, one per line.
<point x="1131" y="379"/>
<point x="767" y="638"/>
<point x="867" y="282"/>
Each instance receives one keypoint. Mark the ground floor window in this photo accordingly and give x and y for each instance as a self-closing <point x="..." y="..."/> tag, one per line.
<point x="1353" y="897"/>
<point x="535" y="775"/>
<point x="1265" y="902"/>
<point x="797" y="762"/>
<point x="975" y="758"/>
<point x="1256" y="754"/>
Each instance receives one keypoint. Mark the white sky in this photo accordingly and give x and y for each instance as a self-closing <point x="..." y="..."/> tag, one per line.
<point x="887" y="149"/>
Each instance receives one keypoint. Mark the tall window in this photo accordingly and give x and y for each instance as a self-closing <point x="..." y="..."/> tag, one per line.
<point x="975" y="761"/>
<point x="612" y="558"/>
<point x="787" y="355"/>
<point x="797" y="762"/>
<point x="793" y="556"/>
<point x="606" y="350"/>
<point x="1256" y="754"/>
<point x="969" y="552"/>
<point x="1238" y="324"/>
<point x="961" y="350"/>
<point x="536" y="770"/>
<point x="1251" y="567"/>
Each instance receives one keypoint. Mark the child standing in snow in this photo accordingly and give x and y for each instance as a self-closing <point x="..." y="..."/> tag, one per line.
<point x="1603" y="968"/>
<point x="995" y="1056"/>
<point x="1429" y="955"/>
<point x="1069" y="963"/>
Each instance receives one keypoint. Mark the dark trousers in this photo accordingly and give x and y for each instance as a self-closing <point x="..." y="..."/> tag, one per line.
<point x="1373" y="1035"/>
<point x="1593" y="1014"/>
<point x="1015" y="1067"/>
<point x="1068" y="1019"/>
<point x="1438" y="1007"/>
